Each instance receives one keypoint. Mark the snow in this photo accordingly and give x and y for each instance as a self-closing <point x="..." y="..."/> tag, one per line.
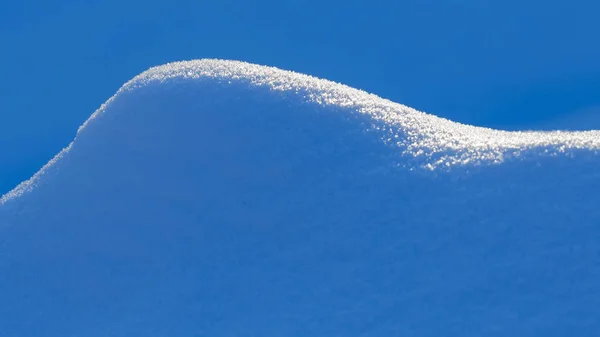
<point x="220" y="198"/>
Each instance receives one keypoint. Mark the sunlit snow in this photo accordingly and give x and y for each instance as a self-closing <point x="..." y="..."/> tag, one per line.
<point x="221" y="198"/>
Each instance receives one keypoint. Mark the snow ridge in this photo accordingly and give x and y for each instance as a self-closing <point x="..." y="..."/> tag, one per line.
<point x="219" y="198"/>
<point x="428" y="141"/>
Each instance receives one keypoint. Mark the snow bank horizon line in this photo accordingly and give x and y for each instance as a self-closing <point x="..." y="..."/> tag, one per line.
<point x="433" y="141"/>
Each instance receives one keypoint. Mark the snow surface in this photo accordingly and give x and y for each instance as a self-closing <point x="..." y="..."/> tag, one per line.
<point x="220" y="198"/>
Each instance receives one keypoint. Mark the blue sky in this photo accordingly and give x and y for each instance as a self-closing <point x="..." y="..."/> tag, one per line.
<point x="505" y="64"/>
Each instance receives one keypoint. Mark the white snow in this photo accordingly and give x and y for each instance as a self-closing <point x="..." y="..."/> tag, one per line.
<point x="220" y="198"/>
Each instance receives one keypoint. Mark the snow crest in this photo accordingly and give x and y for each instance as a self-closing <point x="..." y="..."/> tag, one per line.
<point x="433" y="142"/>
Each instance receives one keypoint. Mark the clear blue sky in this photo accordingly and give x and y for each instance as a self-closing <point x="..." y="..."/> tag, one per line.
<point x="511" y="64"/>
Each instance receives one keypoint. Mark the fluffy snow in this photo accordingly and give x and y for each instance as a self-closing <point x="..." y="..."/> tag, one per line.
<point x="220" y="198"/>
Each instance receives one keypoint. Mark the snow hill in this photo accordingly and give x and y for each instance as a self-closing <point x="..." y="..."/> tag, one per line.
<point x="219" y="198"/>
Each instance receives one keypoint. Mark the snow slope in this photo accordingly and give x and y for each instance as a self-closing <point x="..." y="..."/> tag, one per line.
<point x="220" y="198"/>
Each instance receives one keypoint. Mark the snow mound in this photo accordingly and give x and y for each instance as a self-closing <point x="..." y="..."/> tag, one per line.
<point x="221" y="198"/>
<point x="434" y="142"/>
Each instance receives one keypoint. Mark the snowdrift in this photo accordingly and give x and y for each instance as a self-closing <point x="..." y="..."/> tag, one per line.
<point x="220" y="198"/>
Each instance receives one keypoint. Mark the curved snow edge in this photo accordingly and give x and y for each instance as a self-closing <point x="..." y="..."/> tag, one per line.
<point x="432" y="141"/>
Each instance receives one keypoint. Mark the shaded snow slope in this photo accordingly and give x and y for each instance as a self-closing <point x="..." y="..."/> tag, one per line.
<point x="219" y="198"/>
